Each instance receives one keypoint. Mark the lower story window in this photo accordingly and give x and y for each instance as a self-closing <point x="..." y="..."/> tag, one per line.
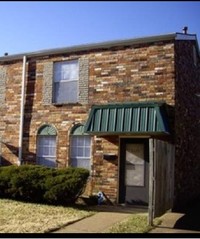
<point x="80" y="151"/>
<point x="46" y="147"/>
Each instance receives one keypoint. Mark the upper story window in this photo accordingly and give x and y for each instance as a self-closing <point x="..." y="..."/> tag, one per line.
<point x="65" y="82"/>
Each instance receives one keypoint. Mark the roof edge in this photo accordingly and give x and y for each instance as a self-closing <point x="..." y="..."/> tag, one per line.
<point x="100" y="45"/>
<point x="92" y="46"/>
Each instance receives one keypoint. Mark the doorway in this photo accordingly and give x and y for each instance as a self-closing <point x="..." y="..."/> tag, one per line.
<point x="134" y="172"/>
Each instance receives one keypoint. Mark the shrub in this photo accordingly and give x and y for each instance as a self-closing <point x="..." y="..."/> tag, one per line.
<point x="66" y="186"/>
<point x="5" y="179"/>
<point x="28" y="183"/>
<point x="42" y="184"/>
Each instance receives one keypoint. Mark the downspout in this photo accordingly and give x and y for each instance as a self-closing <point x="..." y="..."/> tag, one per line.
<point x="21" y="127"/>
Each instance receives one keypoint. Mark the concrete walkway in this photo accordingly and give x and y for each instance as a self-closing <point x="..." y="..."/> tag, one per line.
<point x="97" y="223"/>
<point x="105" y="217"/>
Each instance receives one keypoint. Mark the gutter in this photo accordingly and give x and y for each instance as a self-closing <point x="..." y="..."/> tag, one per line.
<point x="21" y="127"/>
<point x="101" y="45"/>
<point x="92" y="46"/>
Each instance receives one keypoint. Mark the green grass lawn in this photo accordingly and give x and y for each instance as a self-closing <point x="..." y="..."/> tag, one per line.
<point x="19" y="217"/>
<point x="136" y="223"/>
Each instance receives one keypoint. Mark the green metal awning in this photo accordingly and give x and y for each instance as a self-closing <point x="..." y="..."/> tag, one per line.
<point x="127" y="118"/>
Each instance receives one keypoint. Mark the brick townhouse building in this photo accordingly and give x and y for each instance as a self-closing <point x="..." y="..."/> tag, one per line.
<point x="127" y="110"/>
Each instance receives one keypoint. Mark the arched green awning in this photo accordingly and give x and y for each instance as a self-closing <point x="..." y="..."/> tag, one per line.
<point x="78" y="129"/>
<point x="47" y="130"/>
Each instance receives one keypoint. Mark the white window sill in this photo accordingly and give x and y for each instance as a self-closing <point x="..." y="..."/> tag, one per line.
<point x="66" y="103"/>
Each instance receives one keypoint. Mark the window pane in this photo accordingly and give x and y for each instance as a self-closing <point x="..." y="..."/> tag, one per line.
<point x="66" y="92"/>
<point x="52" y="151"/>
<point x="73" y="152"/>
<point x="65" y="71"/>
<point x="135" y="153"/>
<point x="87" y="152"/>
<point x="51" y="141"/>
<point x="134" y="175"/>
<point x="80" y="141"/>
<point x="72" y="91"/>
<point x="80" y="153"/>
<point x="74" y="141"/>
<point x="43" y="140"/>
<point x="71" y="71"/>
<point x="66" y="75"/>
<point x="83" y="163"/>
<point x="46" y="150"/>
<point x="40" y="151"/>
<point x="87" y="140"/>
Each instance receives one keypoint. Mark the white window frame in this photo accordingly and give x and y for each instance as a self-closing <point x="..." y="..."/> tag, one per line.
<point x="65" y="79"/>
<point x="76" y="147"/>
<point x="46" y="159"/>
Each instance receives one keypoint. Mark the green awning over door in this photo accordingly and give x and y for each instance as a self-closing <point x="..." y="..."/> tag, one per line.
<point x="127" y="118"/>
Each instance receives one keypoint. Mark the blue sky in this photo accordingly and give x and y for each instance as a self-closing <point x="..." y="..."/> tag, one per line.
<point x="35" y="25"/>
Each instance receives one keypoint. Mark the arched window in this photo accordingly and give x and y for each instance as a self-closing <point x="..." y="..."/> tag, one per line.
<point x="80" y="148"/>
<point x="46" y="146"/>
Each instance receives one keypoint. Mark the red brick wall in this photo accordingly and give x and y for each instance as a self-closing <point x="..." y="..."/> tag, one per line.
<point x="187" y="130"/>
<point x="139" y="73"/>
<point x="10" y="114"/>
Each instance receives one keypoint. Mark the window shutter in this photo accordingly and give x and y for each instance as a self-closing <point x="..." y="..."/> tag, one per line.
<point x="47" y="83"/>
<point x="83" y="80"/>
<point x="3" y="71"/>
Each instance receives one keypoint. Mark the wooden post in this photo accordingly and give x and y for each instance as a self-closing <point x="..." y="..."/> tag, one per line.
<point x="151" y="183"/>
